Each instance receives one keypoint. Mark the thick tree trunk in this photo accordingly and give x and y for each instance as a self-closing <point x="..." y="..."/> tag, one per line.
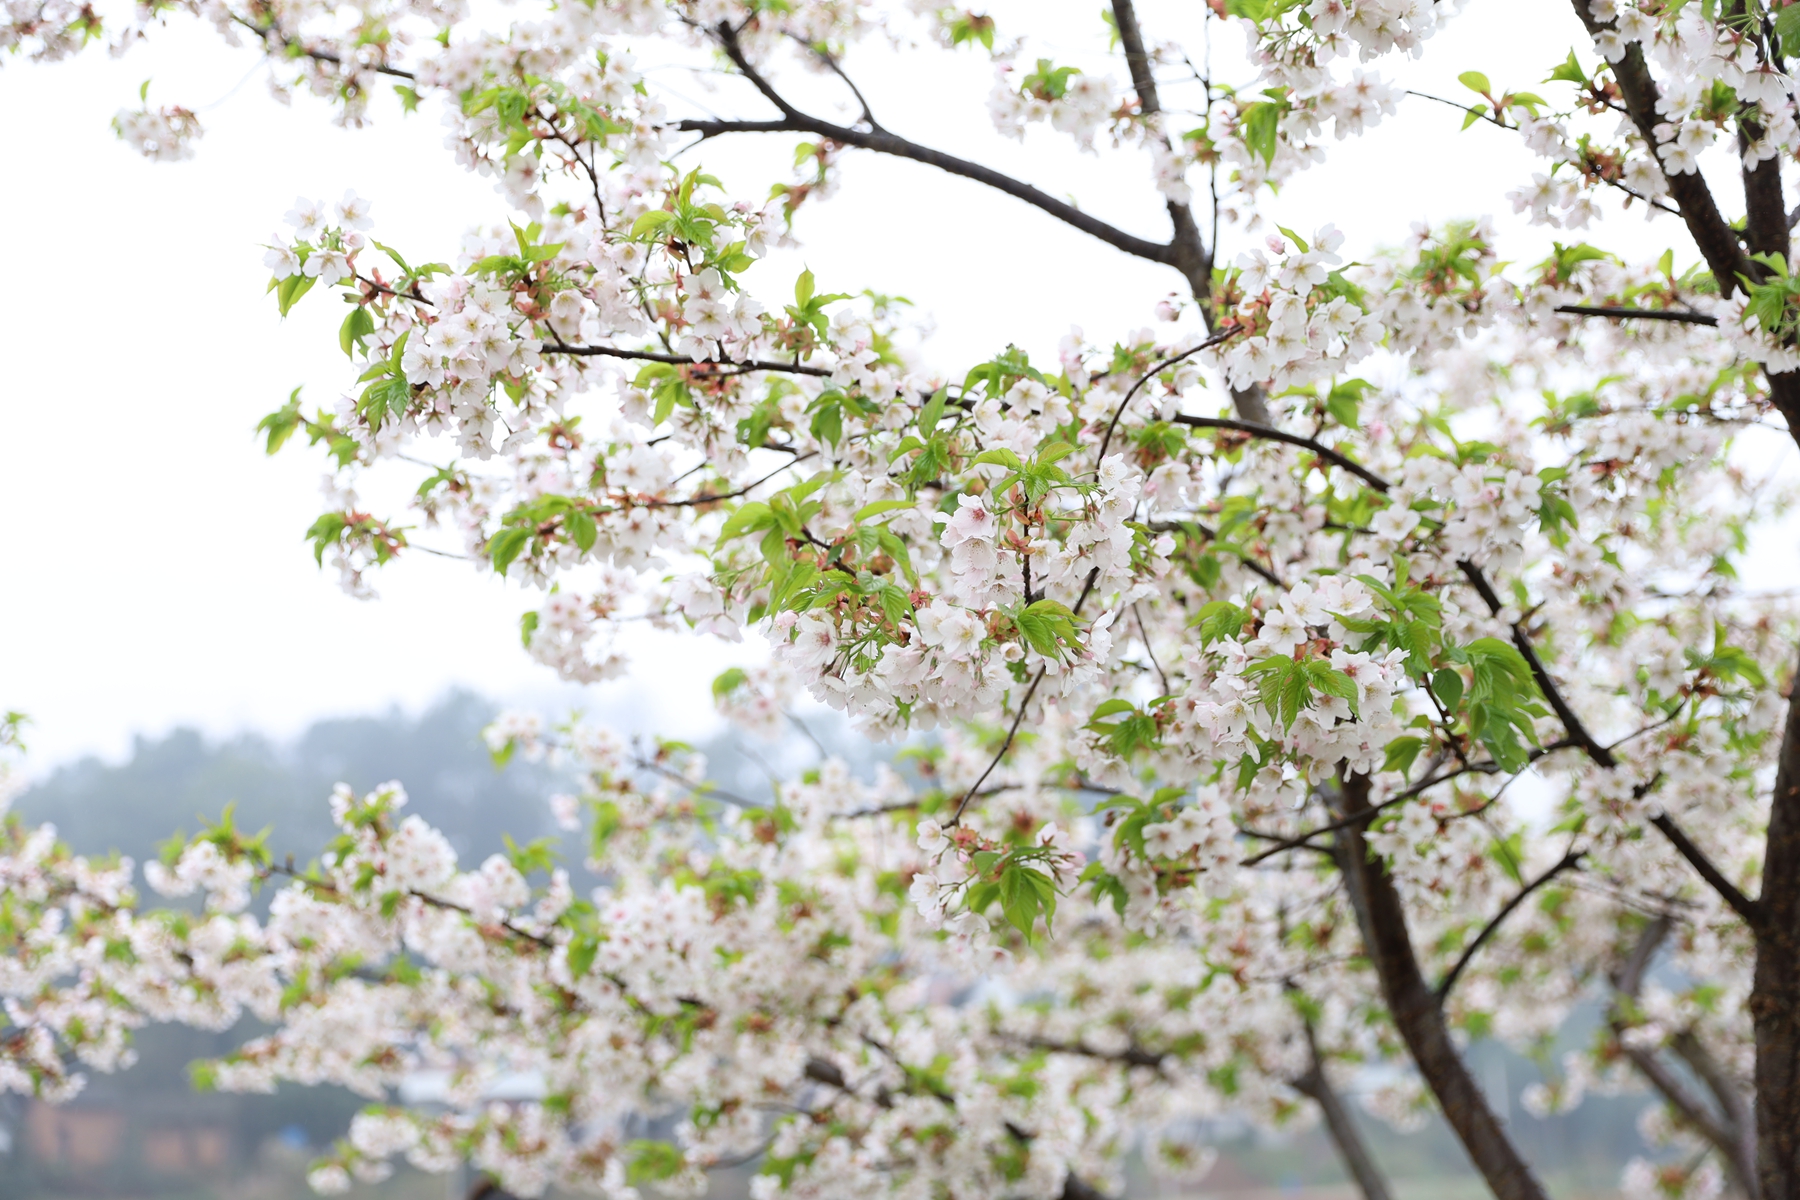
<point x="1414" y="1008"/>
<point x="1775" y="992"/>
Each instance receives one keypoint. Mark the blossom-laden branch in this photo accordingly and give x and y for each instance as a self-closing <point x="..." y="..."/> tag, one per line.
<point x="1190" y="630"/>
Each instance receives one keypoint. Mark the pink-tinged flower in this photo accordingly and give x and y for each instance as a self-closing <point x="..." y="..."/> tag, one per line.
<point x="971" y="520"/>
<point x="1283" y="631"/>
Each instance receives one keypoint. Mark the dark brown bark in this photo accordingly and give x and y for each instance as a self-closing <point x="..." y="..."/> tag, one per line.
<point x="1341" y="1126"/>
<point x="1415" y="1012"/>
<point x="1188" y="251"/>
<point x="1711" y="232"/>
<point x="1775" y="989"/>
<point x="1767" y="231"/>
<point x="1765" y="216"/>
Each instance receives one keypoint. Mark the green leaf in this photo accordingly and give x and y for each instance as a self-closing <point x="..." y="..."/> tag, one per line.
<point x="1218" y="620"/>
<point x="505" y="546"/>
<point x="324" y="533"/>
<point x="1261" y="128"/>
<point x="749" y="517"/>
<point x="357" y="326"/>
<point x="280" y="425"/>
<point x="582" y="950"/>
<point x="803" y="288"/>
<point x="1108" y="707"/>
<point x="651" y="1161"/>
<point x="665" y="404"/>
<point x="651" y="222"/>
<point x="289" y="291"/>
<point x="1787" y="29"/>
<point x="933" y="412"/>
<point x="1447" y="686"/>
<point x="877" y="508"/>
<point x="1049" y="627"/>
<point x="1569" y="70"/>
<point x="1401" y="752"/>
<point x="1330" y="681"/>
<point x="1344" y="401"/>
<point x="581" y="528"/>
<point x="1475" y="81"/>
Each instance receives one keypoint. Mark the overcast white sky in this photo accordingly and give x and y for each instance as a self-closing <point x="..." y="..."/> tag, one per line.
<point x="154" y="571"/>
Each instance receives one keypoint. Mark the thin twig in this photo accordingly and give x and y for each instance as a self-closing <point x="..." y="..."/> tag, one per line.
<point x="1004" y="746"/>
<point x="1147" y="376"/>
<point x="1487" y="931"/>
<point x="726" y="366"/>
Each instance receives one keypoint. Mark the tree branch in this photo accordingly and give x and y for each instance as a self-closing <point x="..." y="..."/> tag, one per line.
<point x="1150" y="374"/>
<point x="273" y="33"/>
<point x="821" y="1071"/>
<point x="1189" y="254"/>
<point x="1381" y="915"/>
<point x="1603" y="756"/>
<point x="1672" y="1089"/>
<point x="1709" y="229"/>
<point x="1133" y="1055"/>
<point x="1481" y="113"/>
<point x="1578" y="733"/>
<point x="681" y="360"/>
<point x="1487" y="931"/>
<point x="882" y="142"/>
<point x="999" y="754"/>
<point x="899" y="147"/>
<point x="1775" y="988"/>
<point x="1639" y="314"/>
<point x="1740" y="1124"/>
<point x="1272" y="434"/>
<point x="1348" y="1139"/>
<point x="832" y="64"/>
<point x="1362" y="816"/>
<point x="1707" y="870"/>
<point x="1627" y="980"/>
<point x="1210" y="534"/>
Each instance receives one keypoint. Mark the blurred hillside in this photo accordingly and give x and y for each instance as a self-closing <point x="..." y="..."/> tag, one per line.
<point x="172" y="784"/>
<point x="145" y="1133"/>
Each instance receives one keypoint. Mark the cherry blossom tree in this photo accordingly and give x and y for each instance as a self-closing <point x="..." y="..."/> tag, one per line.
<point x="1358" y="665"/>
